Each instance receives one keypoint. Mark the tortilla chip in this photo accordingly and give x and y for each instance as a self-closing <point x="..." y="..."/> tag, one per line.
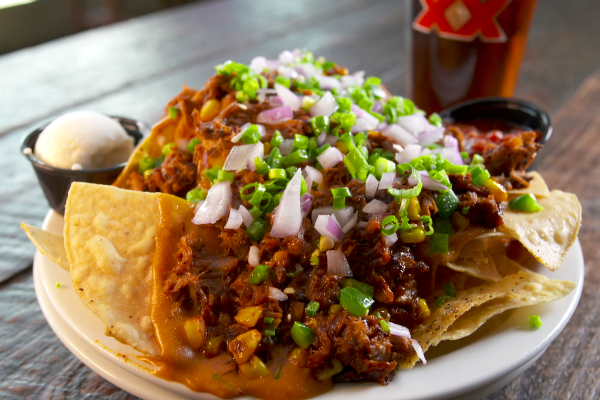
<point x="110" y="244"/>
<point x="547" y="234"/>
<point x="537" y="186"/>
<point x="483" y="268"/>
<point x="49" y="244"/>
<point x="462" y="315"/>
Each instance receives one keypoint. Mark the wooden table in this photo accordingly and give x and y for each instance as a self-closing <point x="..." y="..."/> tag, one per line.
<point x="135" y="67"/>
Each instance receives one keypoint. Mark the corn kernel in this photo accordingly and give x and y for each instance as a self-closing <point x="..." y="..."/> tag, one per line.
<point x="210" y="110"/>
<point x="254" y="369"/>
<point x="497" y="190"/>
<point x="415" y="236"/>
<point x="213" y="346"/>
<point x="424" y="308"/>
<point x="335" y="309"/>
<point x="248" y="316"/>
<point x="195" y="330"/>
<point x="414" y="209"/>
<point x="242" y="347"/>
<point x="325" y="243"/>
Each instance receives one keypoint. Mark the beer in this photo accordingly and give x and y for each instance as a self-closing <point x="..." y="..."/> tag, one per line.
<point x="465" y="49"/>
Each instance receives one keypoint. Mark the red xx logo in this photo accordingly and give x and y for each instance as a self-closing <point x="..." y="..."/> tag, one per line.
<point x="462" y="19"/>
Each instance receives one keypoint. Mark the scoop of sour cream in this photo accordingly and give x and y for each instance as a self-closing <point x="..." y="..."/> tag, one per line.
<point x="83" y="140"/>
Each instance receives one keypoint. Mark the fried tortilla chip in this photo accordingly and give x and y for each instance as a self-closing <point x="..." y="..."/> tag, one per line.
<point x="537" y="186"/>
<point x="110" y="243"/>
<point x="462" y="315"/>
<point x="49" y="244"/>
<point x="547" y="234"/>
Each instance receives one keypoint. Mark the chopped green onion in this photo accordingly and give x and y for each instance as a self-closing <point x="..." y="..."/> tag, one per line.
<point x="173" y="112"/>
<point x="273" y="185"/>
<point x="446" y="202"/>
<point x="146" y="163"/>
<point x="282" y="80"/>
<point x="259" y="274"/>
<point x="389" y="225"/>
<point x="166" y="149"/>
<point x="274" y="158"/>
<point x="269" y="320"/>
<point x="357" y="164"/>
<point x="196" y="195"/>
<point x="58" y="284"/>
<point x="339" y="197"/>
<point x="277" y="139"/>
<point x="384" y="326"/>
<point x="312" y="308"/>
<point x="191" y="146"/>
<point x="526" y="203"/>
<point x="262" y="168"/>
<point x="277" y="173"/>
<point x="441" y="177"/>
<point x="477" y="159"/>
<point x="439" y="243"/>
<point x="308" y="103"/>
<point x="257" y="230"/>
<point x="159" y="161"/>
<point x="449" y="289"/>
<point x="427" y="225"/>
<point x="355" y="302"/>
<point x="444" y="226"/>
<point x="300" y="142"/>
<point x="320" y="124"/>
<point x="383" y="165"/>
<point x="256" y="212"/>
<point x="322" y="149"/>
<point x="479" y="175"/>
<point x="344" y="103"/>
<point x="464" y="155"/>
<point x="212" y="172"/>
<point x="278" y="373"/>
<point x="296" y="157"/>
<point x="294" y="274"/>
<point x="440" y="300"/>
<point x="225" y="176"/>
<point x="435" y="119"/>
<point x="302" y="335"/>
<point x="269" y="332"/>
<point x="363" y="287"/>
<point x="251" y="135"/>
<point x="257" y="195"/>
<point x="535" y="321"/>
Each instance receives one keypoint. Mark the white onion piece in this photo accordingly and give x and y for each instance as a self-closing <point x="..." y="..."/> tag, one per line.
<point x="321" y="138"/>
<point x="400" y="135"/>
<point x="238" y="157"/>
<point x="216" y="204"/>
<point x="309" y="70"/>
<point x="262" y="131"/>
<point x="337" y="263"/>
<point x="314" y="174"/>
<point x="415" y="124"/>
<point x="288" y="217"/>
<point x="286" y="57"/>
<point x="257" y="151"/>
<point x="272" y="64"/>
<point x="327" y="226"/>
<point x="377" y="107"/>
<point x="453" y="156"/>
<point x="328" y="82"/>
<point x="246" y="216"/>
<point x="387" y="179"/>
<point x="288" y="97"/>
<point x="451" y="142"/>
<point x="258" y="64"/>
<point x="286" y="147"/>
<point x="277" y="294"/>
<point x="398" y="148"/>
<point x="399" y="330"/>
<point x="235" y="219"/>
<point x="428" y="182"/>
<point x="418" y="350"/>
<point x="341" y="216"/>
<point x="430" y="137"/>
<point x="306" y="202"/>
<point x="371" y="186"/>
<point x="381" y="126"/>
<point x="365" y="123"/>
<point x="375" y="207"/>
<point x="390" y="239"/>
<point x="331" y="140"/>
<point x="410" y="152"/>
<point x="275" y="115"/>
<point x="362" y="224"/>
<point x="326" y="106"/>
<point x="351" y="223"/>
<point x="330" y="158"/>
<point x="261" y="94"/>
<point x="326" y="210"/>
<point x="254" y="256"/>
<point x="356" y="79"/>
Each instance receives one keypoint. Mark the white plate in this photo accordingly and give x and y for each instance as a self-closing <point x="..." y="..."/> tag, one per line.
<point x="476" y="365"/>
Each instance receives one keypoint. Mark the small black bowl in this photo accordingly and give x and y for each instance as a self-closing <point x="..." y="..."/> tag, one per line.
<point x="56" y="181"/>
<point x="498" y="113"/>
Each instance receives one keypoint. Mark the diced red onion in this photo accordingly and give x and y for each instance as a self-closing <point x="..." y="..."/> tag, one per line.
<point x="418" y="350"/>
<point x="275" y="115"/>
<point x="362" y="224"/>
<point x="276" y="294"/>
<point x="364" y="120"/>
<point x="337" y="263"/>
<point x="246" y="216"/>
<point x="238" y="157"/>
<point x="381" y="126"/>
<point x="327" y="226"/>
<point x="275" y="101"/>
<point x="321" y="138"/>
<point x="325" y="210"/>
<point x="330" y="157"/>
<point x="430" y="137"/>
<point x="387" y="179"/>
<point x="371" y="185"/>
<point x="261" y="94"/>
<point x="328" y="82"/>
<point x="254" y="256"/>
<point x="314" y="174"/>
<point x="306" y="202"/>
<point x="288" y="97"/>
<point x="287" y="72"/>
<point x="375" y="207"/>
<point x="258" y="64"/>
<point x="216" y="204"/>
<point x="357" y="110"/>
<point x="399" y="330"/>
<point x="390" y="239"/>
<point x="326" y="106"/>
<point x="356" y="79"/>
<point x="428" y="182"/>
<point x="331" y="140"/>
<point x="400" y="135"/>
<point x="453" y="156"/>
<point x="288" y="217"/>
<point x="341" y="216"/>
<point x="286" y="57"/>
<point x="272" y="64"/>
<point x="410" y="152"/>
<point x="286" y="147"/>
<point x="235" y="219"/>
<point x="377" y="107"/>
<point x="451" y="142"/>
<point x="257" y="151"/>
<point x="415" y="124"/>
<point x="309" y="70"/>
<point x="351" y="223"/>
